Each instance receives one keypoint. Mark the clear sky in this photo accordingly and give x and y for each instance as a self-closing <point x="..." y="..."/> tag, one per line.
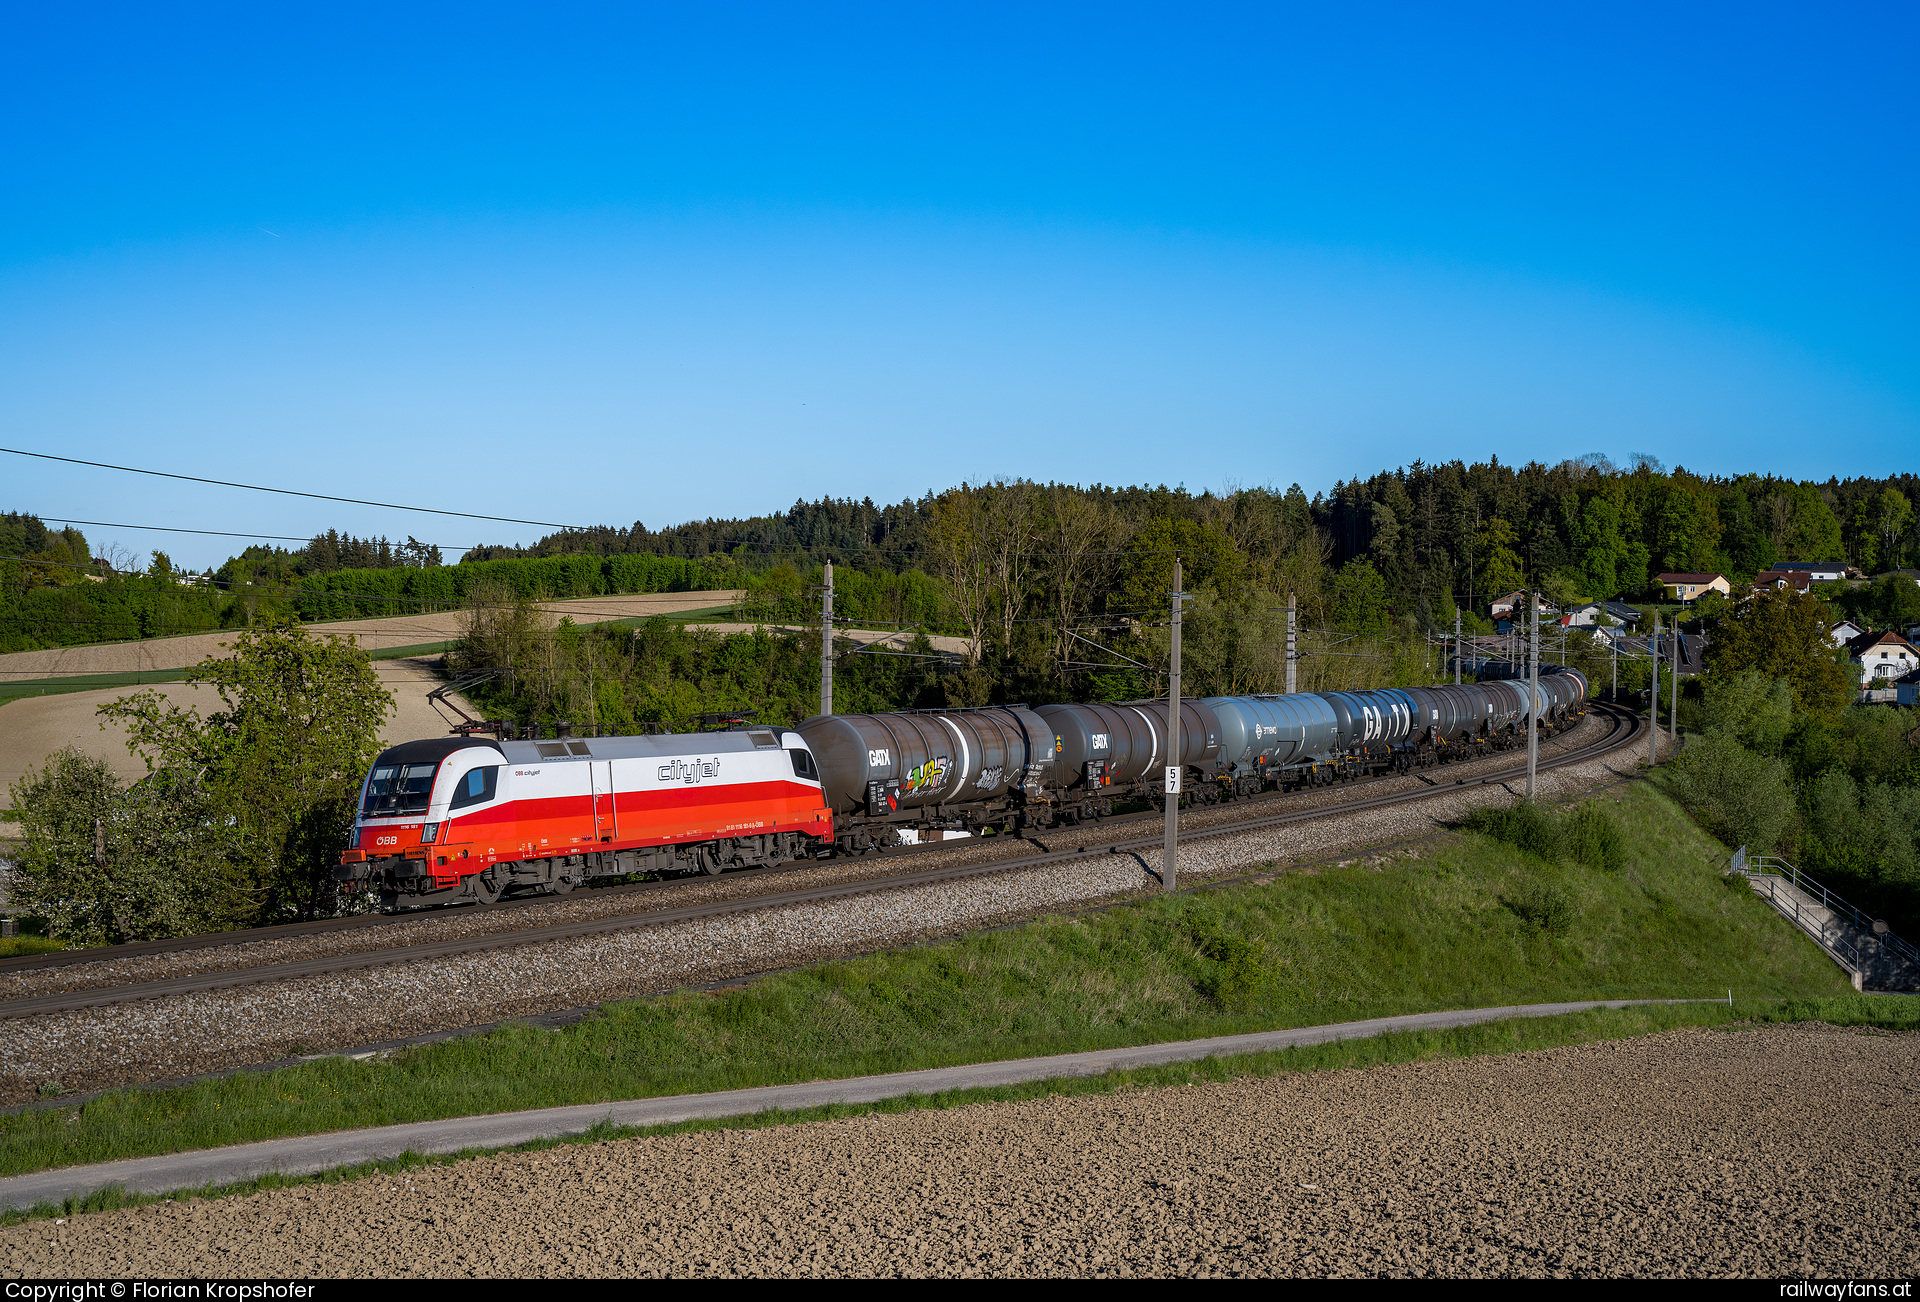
<point x="593" y="265"/>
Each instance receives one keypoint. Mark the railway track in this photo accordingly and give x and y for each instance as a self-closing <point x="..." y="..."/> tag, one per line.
<point x="1624" y="729"/>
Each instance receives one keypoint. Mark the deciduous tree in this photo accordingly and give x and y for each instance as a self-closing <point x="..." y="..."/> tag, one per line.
<point x="1783" y="634"/>
<point x="284" y="756"/>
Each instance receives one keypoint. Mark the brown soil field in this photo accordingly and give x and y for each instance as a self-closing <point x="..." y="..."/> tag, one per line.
<point x="373" y="634"/>
<point x="1762" y="1151"/>
<point x="33" y="727"/>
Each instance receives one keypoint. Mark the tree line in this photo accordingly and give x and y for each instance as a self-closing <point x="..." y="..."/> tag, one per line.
<point x="1398" y="550"/>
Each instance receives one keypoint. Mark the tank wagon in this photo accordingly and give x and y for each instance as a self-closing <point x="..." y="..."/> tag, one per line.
<point x="469" y="817"/>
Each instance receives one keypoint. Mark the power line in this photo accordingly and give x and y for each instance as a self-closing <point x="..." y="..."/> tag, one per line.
<point x="294" y="492"/>
<point x="220" y="533"/>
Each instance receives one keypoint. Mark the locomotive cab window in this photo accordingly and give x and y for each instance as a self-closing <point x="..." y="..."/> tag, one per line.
<point x="803" y="765"/>
<point x="399" y="789"/>
<point x="476" y="787"/>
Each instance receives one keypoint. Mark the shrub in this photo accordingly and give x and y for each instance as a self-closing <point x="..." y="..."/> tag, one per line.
<point x="1740" y="797"/>
<point x="102" y="863"/>
<point x="1593" y="838"/>
<point x="1237" y="970"/>
<point x="1542" y="906"/>
<point x="1526" y="827"/>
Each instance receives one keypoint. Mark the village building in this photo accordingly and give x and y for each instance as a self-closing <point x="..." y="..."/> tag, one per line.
<point x="1691" y="587"/>
<point x="1588" y="616"/>
<point x="1503" y="607"/>
<point x="1819" y="571"/>
<point x="1844" y="632"/>
<point x="1772" y="580"/>
<point x="1882" y="657"/>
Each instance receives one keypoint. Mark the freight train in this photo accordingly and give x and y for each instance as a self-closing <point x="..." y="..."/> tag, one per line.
<point x="470" y="816"/>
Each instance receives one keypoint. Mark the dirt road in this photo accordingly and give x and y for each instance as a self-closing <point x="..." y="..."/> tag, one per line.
<point x="1736" y="1152"/>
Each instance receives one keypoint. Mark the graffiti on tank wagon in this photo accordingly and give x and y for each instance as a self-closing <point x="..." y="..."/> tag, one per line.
<point x="989" y="778"/>
<point x="927" y="776"/>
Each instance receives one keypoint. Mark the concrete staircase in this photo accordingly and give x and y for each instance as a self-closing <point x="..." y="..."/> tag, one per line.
<point x="1871" y="955"/>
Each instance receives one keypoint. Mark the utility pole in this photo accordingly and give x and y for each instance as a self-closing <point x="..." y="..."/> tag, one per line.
<point x="1673" y="711"/>
<point x="1614" y="693"/>
<point x="1456" y="646"/>
<point x="826" y="643"/>
<point x="1533" y="694"/>
<point x="1169" y="862"/>
<point x="1293" y="637"/>
<point x="1653" y="698"/>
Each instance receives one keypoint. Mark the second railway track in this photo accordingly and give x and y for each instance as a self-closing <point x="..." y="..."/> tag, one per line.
<point x="1623" y="729"/>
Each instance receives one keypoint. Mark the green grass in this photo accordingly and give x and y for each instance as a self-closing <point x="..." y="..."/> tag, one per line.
<point x="86" y="683"/>
<point x="20" y="946"/>
<point x="1450" y="929"/>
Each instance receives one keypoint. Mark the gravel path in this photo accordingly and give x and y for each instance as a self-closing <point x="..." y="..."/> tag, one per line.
<point x="91" y="1049"/>
<point x="460" y="922"/>
<point x="1692" y="1153"/>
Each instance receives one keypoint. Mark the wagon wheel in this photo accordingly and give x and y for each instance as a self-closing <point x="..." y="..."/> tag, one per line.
<point x="710" y="860"/>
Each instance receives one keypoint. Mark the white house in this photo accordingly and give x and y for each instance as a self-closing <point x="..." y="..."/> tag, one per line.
<point x="1844" y="632"/>
<point x="1589" y="615"/>
<point x="1818" y="571"/>
<point x="1504" y="607"/>
<point x="1883" y="657"/>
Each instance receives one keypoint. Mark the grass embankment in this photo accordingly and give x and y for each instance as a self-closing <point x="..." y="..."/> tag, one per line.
<point x="1459" y="926"/>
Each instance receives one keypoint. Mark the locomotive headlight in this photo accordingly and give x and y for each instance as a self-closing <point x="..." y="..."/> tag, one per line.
<point x="428" y="831"/>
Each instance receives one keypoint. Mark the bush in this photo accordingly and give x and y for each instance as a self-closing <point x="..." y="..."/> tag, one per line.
<point x="1542" y="906"/>
<point x="1740" y="797"/>
<point x="1237" y="970"/>
<point x="102" y="863"/>
<point x="1593" y="838"/>
<point x="1526" y="827"/>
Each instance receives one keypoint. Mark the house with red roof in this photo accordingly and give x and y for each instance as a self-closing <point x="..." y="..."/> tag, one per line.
<point x="1881" y="658"/>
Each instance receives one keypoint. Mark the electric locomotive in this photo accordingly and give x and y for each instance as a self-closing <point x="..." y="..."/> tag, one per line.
<point x="469" y="817"/>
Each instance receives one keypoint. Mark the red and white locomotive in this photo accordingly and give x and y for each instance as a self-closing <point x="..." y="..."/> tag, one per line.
<point x="468" y="817"/>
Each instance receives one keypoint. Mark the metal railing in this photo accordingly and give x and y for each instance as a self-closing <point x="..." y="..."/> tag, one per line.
<point x="1772" y="869"/>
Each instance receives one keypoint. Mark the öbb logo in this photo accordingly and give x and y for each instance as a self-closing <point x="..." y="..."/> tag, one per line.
<point x="691" y="771"/>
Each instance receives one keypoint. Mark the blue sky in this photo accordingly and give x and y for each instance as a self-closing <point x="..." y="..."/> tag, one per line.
<point x="604" y="264"/>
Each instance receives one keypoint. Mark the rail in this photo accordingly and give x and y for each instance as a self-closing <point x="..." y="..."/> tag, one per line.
<point x="1771" y="870"/>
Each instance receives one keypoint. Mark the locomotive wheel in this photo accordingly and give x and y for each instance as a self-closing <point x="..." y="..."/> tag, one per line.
<point x="710" y="860"/>
<point x="561" y="886"/>
<point x="484" y="890"/>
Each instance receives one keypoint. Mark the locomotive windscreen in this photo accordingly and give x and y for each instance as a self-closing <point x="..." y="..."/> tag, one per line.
<point x="399" y="789"/>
